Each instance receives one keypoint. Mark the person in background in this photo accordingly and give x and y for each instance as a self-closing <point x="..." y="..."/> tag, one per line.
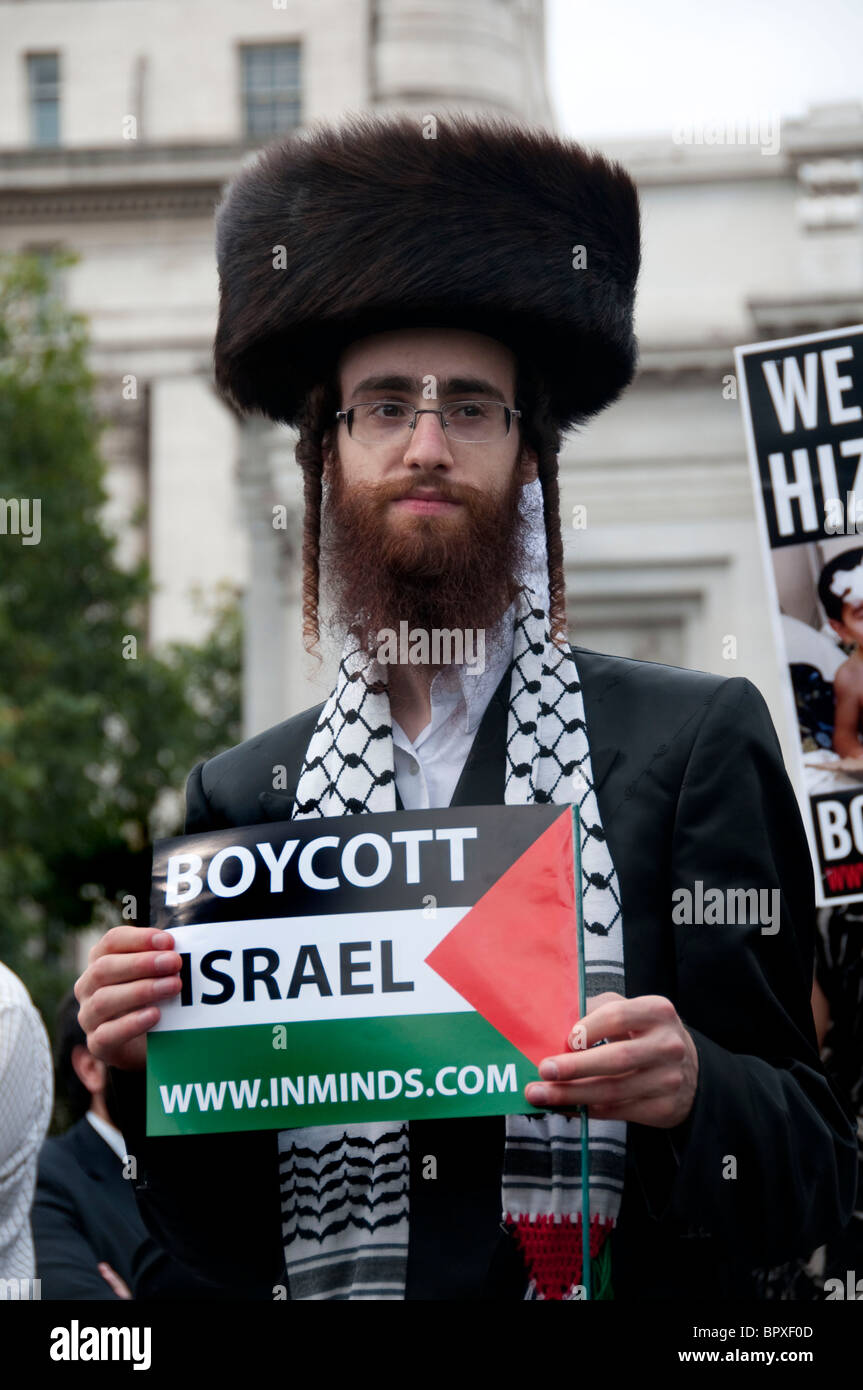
<point x="86" y="1225"/>
<point x="26" y="1097"/>
<point x="837" y="1008"/>
<point x="90" y="1240"/>
<point x="838" y="1016"/>
<point x="840" y="589"/>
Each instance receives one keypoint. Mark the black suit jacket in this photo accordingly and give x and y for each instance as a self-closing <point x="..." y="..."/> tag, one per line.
<point x="85" y="1212"/>
<point x="691" y="786"/>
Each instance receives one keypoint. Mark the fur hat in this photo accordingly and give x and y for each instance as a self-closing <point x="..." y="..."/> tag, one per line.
<point x="340" y="231"/>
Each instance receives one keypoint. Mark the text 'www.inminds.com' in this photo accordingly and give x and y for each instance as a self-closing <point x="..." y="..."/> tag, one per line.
<point x="249" y="1094"/>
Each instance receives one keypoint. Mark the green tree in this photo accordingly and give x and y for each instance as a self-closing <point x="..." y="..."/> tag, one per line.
<point x="97" y="733"/>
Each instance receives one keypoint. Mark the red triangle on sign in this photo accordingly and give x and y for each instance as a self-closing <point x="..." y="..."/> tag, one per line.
<point x="514" y="956"/>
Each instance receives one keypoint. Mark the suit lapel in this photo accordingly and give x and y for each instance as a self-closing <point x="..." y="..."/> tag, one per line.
<point x="94" y="1154"/>
<point x="482" y="781"/>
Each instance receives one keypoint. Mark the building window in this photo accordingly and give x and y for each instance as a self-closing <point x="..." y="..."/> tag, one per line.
<point x="43" y="87"/>
<point x="271" y="88"/>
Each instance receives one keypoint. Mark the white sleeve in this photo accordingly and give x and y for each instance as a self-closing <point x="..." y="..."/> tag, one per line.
<point x="26" y="1099"/>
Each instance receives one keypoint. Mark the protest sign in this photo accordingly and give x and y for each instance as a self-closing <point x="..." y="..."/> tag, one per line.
<point x="385" y="966"/>
<point x="802" y="402"/>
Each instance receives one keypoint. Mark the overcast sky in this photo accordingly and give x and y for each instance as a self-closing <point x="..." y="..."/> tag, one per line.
<point x="638" y="67"/>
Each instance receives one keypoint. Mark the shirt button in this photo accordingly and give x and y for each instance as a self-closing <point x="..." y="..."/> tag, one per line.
<point x="414" y="769"/>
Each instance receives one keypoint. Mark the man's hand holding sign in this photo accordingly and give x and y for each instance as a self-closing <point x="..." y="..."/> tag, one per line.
<point x="130" y="972"/>
<point x="649" y="1076"/>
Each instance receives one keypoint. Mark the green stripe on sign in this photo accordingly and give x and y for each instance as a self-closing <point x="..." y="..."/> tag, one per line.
<point x="422" y="1066"/>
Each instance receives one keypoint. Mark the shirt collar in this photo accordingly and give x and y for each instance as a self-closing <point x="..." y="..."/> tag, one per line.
<point x="457" y="684"/>
<point x="110" y="1133"/>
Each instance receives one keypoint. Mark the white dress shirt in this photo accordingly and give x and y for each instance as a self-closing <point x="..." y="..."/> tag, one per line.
<point x="110" y="1133"/>
<point x="427" y="769"/>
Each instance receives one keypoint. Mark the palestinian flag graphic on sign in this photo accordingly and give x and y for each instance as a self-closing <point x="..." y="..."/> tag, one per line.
<point x="413" y="964"/>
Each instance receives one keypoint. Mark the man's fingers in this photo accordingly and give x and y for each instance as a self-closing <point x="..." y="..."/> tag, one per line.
<point x="111" y="1001"/>
<point x="132" y="970"/>
<point x="110" y="1036"/>
<point x="608" y="1091"/>
<point x="662" y="1046"/>
<point x="120" y="939"/>
<point x="612" y="1016"/>
<point x="597" y="1000"/>
<point x="112" y="1278"/>
<point x="120" y="969"/>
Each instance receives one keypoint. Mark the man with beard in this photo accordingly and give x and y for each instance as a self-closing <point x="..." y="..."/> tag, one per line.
<point x="433" y="338"/>
<point x="422" y="527"/>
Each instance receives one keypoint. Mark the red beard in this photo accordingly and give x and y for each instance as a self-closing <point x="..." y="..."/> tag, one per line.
<point x="444" y="570"/>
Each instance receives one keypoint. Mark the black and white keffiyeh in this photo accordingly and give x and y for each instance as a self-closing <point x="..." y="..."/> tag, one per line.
<point x="345" y="1191"/>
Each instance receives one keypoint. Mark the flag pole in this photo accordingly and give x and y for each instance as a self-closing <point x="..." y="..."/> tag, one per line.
<point x="582" y="999"/>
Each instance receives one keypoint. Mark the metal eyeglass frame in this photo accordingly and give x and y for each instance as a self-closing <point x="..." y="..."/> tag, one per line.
<point x="510" y="411"/>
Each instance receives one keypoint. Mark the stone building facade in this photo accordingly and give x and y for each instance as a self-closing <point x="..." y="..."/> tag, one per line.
<point x="120" y="124"/>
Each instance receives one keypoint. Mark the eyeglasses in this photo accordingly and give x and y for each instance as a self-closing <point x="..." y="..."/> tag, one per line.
<point x="466" y="422"/>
